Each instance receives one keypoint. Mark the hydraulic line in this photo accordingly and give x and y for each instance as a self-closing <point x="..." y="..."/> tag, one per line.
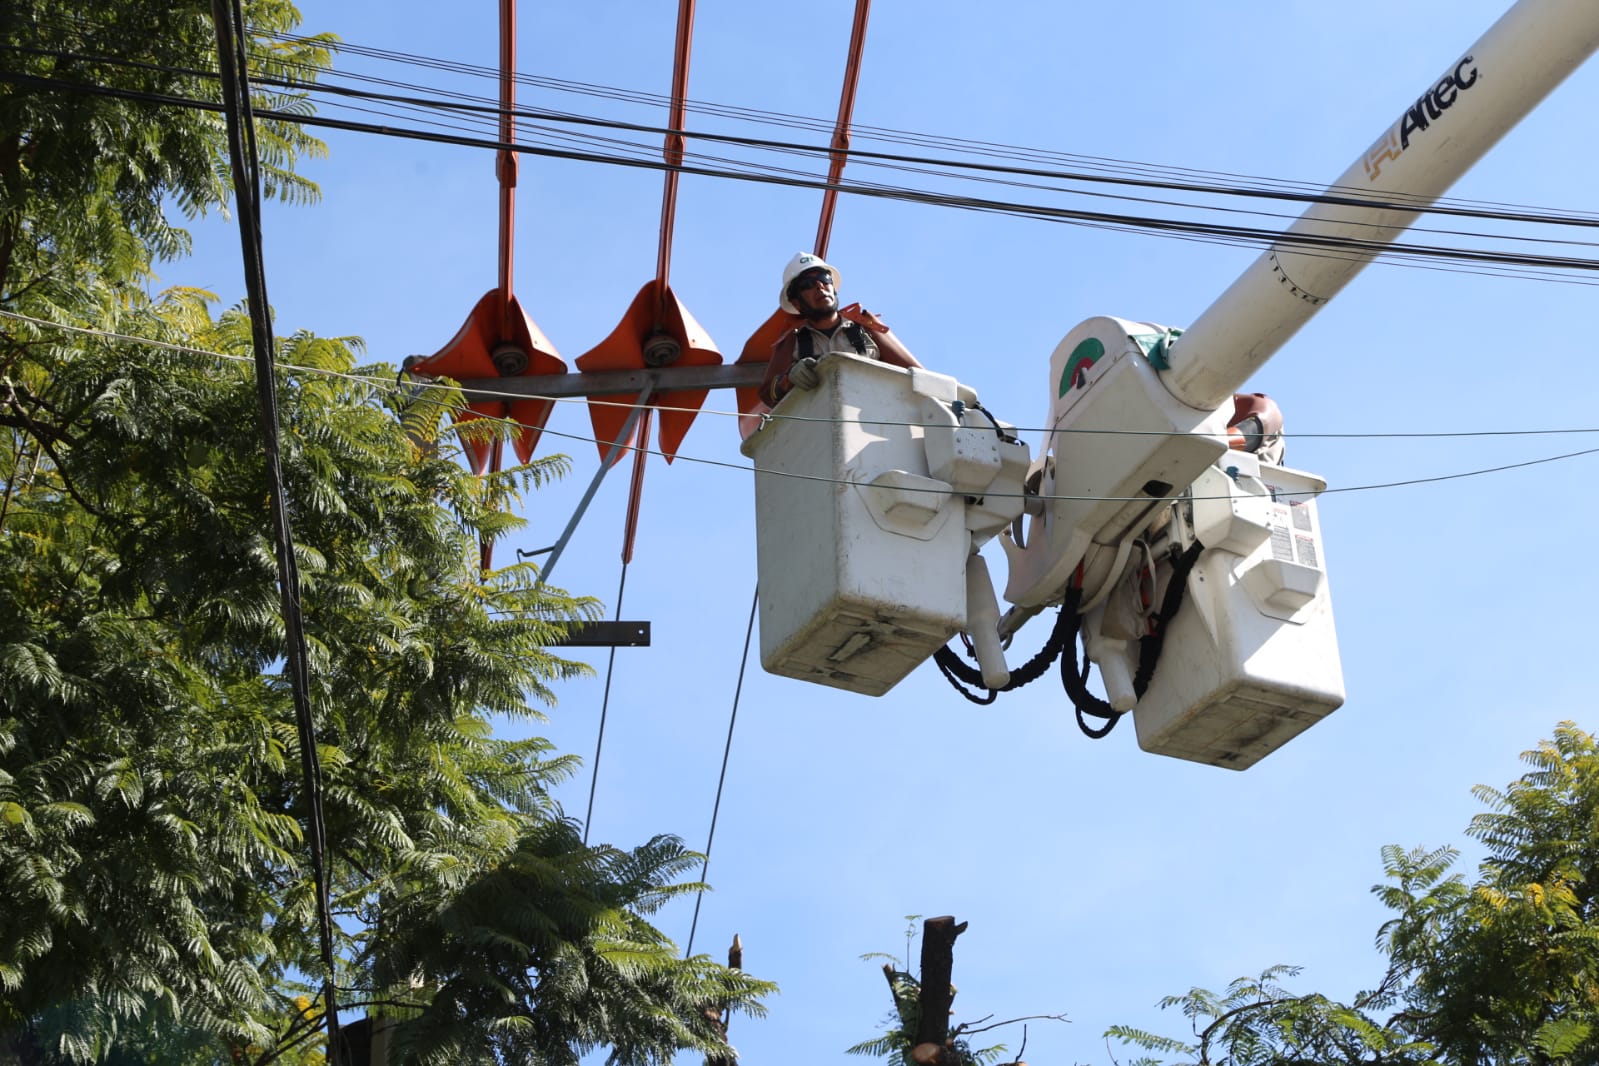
<point x="958" y="671"/>
<point x="1074" y="675"/>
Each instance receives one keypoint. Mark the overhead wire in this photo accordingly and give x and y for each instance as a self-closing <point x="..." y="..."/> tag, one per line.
<point x="1549" y="268"/>
<point x="228" y="17"/>
<point x="1228" y="180"/>
<point x="924" y="165"/>
<point x="747" y="114"/>
<point x="478" y="112"/>
<point x="721" y="777"/>
<point x="1220" y="181"/>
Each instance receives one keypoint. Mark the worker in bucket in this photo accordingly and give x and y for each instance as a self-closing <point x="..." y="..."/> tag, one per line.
<point x="1256" y="426"/>
<point x="810" y="290"/>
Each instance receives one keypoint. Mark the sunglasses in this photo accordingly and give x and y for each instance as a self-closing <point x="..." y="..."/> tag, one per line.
<point x="810" y="281"/>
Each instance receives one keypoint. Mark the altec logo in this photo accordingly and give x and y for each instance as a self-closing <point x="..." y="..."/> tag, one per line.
<point x="1429" y="109"/>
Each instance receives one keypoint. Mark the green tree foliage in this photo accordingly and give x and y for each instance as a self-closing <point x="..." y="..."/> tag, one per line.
<point x="1502" y="971"/>
<point x="90" y="159"/>
<point x="157" y="905"/>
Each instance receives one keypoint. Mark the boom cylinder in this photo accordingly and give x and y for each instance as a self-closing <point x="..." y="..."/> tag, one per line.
<point x="1461" y="115"/>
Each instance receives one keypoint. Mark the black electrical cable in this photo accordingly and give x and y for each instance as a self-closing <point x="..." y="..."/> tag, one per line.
<point x="1074" y="675"/>
<point x="1540" y="267"/>
<point x="229" y="19"/>
<point x="959" y="675"/>
<point x="1170" y="228"/>
<point x="605" y="707"/>
<point x="1217" y="181"/>
<point x="1393" y="202"/>
<point x="471" y="106"/>
<point x="917" y="164"/>
<point x="860" y="131"/>
<point x="1074" y="678"/>
<point x="1150" y="645"/>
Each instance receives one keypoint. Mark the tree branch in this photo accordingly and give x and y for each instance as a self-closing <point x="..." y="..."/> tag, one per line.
<point x="21" y="455"/>
<point x="66" y="482"/>
<point x="961" y="1030"/>
<point x="1225" y="1016"/>
<point x="36" y="429"/>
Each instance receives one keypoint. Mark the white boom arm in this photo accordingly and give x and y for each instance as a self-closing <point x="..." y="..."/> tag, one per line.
<point x="1479" y="99"/>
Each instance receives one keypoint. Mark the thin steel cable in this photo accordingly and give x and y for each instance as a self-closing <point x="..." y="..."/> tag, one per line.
<point x="721" y="779"/>
<point x="605" y="706"/>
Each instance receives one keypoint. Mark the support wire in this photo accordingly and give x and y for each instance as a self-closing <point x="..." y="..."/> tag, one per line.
<point x="605" y="706"/>
<point x="721" y="779"/>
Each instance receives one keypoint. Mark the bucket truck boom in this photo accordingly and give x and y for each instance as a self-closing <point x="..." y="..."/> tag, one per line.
<point x="1193" y="573"/>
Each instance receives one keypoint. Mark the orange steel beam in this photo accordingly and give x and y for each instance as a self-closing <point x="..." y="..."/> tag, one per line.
<point x="505" y="161"/>
<point x="673" y="149"/>
<point x="846" y="107"/>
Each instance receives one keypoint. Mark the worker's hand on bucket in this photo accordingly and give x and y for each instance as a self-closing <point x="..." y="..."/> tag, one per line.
<point x="803" y="374"/>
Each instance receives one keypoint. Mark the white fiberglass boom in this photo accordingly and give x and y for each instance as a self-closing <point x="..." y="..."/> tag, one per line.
<point x="1478" y="99"/>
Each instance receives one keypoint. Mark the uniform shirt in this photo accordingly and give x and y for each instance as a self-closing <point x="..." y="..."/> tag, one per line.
<point x="814" y="343"/>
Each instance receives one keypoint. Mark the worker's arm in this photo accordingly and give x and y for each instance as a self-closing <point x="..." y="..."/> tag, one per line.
<point x="774" y="383"/>
<point x="888" y="343"/>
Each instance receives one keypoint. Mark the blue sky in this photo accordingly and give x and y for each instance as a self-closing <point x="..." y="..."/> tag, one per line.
<point x="1096" y="878"/>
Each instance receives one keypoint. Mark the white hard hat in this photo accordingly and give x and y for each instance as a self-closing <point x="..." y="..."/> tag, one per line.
<point x="801" y="262"/>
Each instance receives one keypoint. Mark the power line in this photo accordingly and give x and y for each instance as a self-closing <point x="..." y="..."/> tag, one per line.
<point x="387" y="384"/>
<point x="753" y="115"/>
<point x="473" y="106"/>
<point x="1540" y="267"/>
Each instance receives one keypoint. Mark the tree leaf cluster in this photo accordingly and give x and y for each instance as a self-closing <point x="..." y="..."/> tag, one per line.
<point x="90" y="159"/>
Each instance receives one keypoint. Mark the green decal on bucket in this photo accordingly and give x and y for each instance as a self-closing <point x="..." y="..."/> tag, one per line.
<point x="1083" y="356"/>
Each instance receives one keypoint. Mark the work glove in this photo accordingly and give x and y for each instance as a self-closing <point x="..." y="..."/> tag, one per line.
<point x="803" y="374"/>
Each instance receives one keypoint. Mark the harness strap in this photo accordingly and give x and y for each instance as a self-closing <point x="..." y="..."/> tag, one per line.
<point x="853" y="331"/>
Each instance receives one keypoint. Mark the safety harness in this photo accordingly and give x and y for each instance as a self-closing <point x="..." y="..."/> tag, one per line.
<point x="853" y="331"/>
